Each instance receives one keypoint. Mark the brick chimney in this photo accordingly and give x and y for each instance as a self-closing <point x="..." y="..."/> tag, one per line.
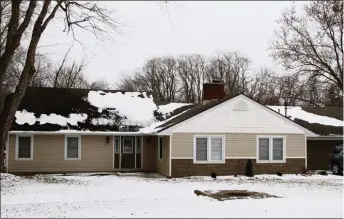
<point x="214" y="90"/>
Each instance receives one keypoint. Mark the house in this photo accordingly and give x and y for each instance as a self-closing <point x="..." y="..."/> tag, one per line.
<point x="60" y="130"/>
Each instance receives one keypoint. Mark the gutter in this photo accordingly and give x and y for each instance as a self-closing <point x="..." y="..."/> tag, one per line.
<point x="66" y="132"/>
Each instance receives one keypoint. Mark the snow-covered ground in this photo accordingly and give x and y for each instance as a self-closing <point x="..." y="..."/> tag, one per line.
<point x="298" y="112"/>
<point x="133" y="196"/>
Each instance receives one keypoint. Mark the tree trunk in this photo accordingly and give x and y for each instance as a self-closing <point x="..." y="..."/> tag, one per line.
<point x="13" y="100"/>
<point x="11" y="105"/>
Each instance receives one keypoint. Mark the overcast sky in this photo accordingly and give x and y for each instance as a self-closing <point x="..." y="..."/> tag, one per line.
<point x="156" y="29"/>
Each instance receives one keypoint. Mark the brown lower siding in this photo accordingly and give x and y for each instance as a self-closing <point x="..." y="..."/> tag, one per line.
<point x="185" y="167"/>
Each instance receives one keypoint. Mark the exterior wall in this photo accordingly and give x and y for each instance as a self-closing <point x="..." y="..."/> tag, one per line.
<point x="237" y="145"/>
<point x="185" y="167"/>
<point x="149" y="153"/>
<point x="48" y="155"/>
<point x="318" y="152"/>
<point x="238" y="149"/>
<point x="163" y="165"/>
<point x="238" y="115"/>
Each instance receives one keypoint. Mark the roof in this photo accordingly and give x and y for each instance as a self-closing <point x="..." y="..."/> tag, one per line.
<point x="197" y="109"/>
<point x="60" y="109"/>
<point x="313" y="125"/>
<point x="321" y="120"/>
<point x="327" y="138"/>
<point x="55" y="109"/>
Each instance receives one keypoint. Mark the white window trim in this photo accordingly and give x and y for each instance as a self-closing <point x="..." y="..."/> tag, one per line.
<point x="115" y="145"/>
<point x="162" y="155"/>
<point x="17" y="147"/>
<point x="132" y="144"/>
<point x="209" y="149"/>
<point x="79" y="147"/>
<point x="138" y="137"/>
<point x="270" y="149"/>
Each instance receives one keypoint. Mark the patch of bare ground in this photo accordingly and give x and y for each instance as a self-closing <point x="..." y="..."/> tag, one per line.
<point x="223" y="195"/>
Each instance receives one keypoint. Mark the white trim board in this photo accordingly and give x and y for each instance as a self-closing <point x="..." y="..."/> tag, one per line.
<point x="17" y="148"/>
<point x="79" y="147"/>
<point x="209" y="149"/>
<point x="271" y="160"/>
<point x="170" y="160"/>
<point x="76" y="132"/>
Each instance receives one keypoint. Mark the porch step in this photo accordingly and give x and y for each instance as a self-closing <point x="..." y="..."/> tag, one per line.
<point x="140" y="174"/>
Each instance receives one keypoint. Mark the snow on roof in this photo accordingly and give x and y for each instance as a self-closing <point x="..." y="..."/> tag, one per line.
<point x="167" y="109"/>
<point x="89" y="110"/>
<point x="135" y="107"/>
<point x="297" y="112"/>
<point x="23" y="117"/>
<point x="154" y="126"/>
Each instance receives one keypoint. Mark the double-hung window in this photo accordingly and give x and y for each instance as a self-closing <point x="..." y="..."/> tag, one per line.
<point x="24" y="147"/>
<point x="209" y="149"/>
<point x="72" y="148"/>
<point x="271" y="149"/>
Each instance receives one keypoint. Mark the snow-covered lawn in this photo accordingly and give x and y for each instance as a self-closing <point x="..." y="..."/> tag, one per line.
<point x="133" y="196"/>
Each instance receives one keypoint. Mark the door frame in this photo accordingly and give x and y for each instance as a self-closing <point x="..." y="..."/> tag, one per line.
<point x="120" y="152"/>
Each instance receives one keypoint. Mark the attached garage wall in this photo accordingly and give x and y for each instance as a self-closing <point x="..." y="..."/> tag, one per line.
<point x="318" y="152"/>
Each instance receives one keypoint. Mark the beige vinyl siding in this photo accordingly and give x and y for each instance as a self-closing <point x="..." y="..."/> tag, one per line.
<point x="237" y="145"/>
<point x="48" y="155"/>
<point x="163" y="165"/>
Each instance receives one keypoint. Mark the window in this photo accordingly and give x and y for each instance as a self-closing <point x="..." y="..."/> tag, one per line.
<point x="128" y="145"/>
<point x="117" y="141"/>
<point x="209" y="149"/>
<point x="72" y="147"/>
<point x="270" y="149"/>
<point x="138" y="145"/>
<point x="24" y="148"/>
<point x="160" y="141"/>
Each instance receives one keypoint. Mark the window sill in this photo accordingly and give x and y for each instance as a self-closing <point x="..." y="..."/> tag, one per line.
<point x="270" y="161"/>
<point x="72" y="158"/>
<point x="209" y="162"/>
<point x="24" y="159"/>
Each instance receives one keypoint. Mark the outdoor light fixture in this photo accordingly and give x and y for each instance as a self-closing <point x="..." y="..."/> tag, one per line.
<point x="107" y="139"/>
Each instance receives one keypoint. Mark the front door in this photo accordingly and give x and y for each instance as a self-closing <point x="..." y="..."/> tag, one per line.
<point x="128" y="152"/>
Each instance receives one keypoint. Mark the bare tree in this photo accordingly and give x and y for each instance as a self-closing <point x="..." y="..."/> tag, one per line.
<point x="41" y="77"/>
<point x="88" y="16"/>
<point x="126" y="83"/>
<point x="70" y="76"/>
<point x="262" y="88"/>
<point x="232" y="69"/>
<point x="99" y="85"/>
<point x="191" y="71"/>
<point x="312" y="44"/>
<point x="158" y="76"/>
